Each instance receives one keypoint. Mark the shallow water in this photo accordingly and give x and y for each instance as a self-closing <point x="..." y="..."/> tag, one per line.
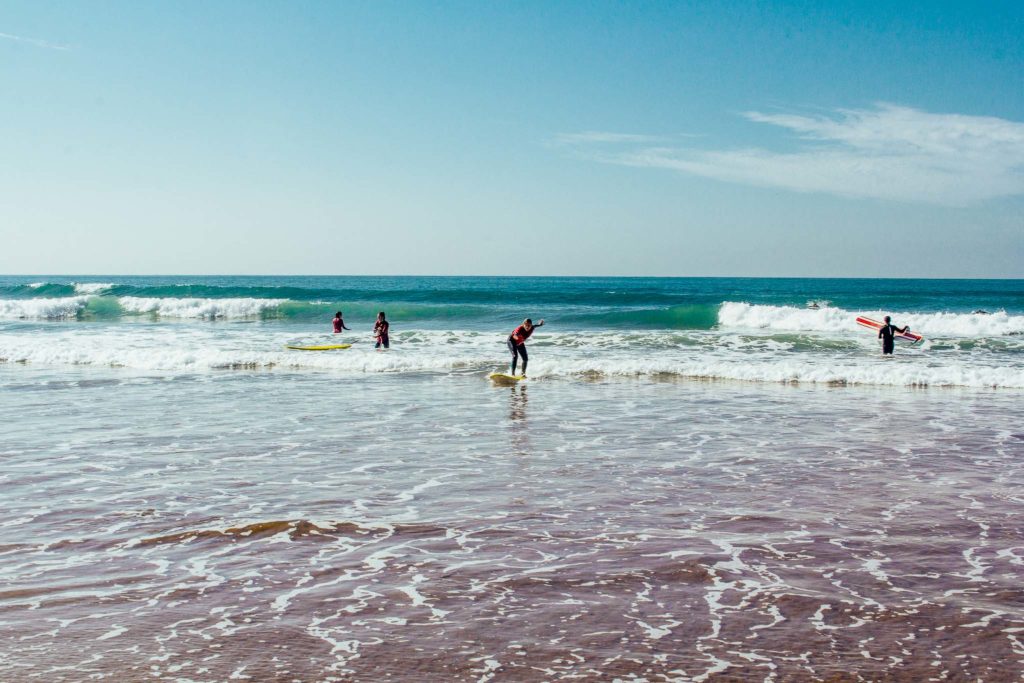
<point x="317" y="525"/>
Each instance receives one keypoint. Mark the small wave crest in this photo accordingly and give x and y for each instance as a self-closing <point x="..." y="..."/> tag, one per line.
<point x="199" y="308"/>
<point x="294" y="529"/>
<point x="92" y="287"/>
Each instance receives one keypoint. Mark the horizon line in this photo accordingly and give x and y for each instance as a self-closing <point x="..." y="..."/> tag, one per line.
<point x="520" y="277"/>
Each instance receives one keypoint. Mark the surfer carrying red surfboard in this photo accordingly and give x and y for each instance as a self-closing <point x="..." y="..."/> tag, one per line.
<point x="887" y="333"/>
<point x="517" y="342"/>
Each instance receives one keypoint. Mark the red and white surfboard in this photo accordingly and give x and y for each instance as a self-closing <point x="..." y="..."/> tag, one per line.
<point x="876" y="326"/>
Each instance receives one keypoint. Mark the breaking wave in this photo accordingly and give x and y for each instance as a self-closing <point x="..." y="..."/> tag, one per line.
<point x="790" y="318"/>
<point x="727" y="316"/>
<point x="85" y="306"/>
<point x="199" y="308"/>
<point x="42" y="309"/>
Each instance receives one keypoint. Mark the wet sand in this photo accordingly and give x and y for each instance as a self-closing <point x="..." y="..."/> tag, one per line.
<point x="277" y="527"/>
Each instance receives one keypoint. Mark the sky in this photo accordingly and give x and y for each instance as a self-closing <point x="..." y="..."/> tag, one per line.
<point x="860" y="139"/>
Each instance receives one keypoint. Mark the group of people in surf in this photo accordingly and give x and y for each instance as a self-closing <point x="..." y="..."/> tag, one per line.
<point x="516" y="341"/>
<point x="380" y="329"/>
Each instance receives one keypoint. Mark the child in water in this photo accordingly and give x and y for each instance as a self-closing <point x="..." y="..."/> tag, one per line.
<point x="380" y="330"/>
<point x="339" y="323"/>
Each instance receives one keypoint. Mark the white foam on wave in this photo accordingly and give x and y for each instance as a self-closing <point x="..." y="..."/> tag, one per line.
<point x="42" y="309"/>
<point x="201" y="348"/>
<point x="198" y="308"/>
<point x="869" y="371"/>
<point x="737" y="315"/>
<point x="91" y="287"/>
<point x="69" y="307"/>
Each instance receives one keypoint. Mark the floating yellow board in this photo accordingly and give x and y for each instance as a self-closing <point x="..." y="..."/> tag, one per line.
<point x="326" y="347"/>
<point x="502" y="377"/>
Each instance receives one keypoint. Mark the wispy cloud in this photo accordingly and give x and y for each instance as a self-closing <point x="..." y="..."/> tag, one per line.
<point x="888" y="152"/>
<point x="603" y="137"/>
<point x="33" y="41"/>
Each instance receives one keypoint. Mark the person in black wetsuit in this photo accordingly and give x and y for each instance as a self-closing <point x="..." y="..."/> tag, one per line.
<point x="887" y="333"/>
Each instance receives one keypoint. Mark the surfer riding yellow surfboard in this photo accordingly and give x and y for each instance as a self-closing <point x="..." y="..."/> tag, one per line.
<point x="517" y="344"/>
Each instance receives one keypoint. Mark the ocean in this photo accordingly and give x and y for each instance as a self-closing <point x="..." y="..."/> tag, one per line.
<point x="706" y="328"/>
<point x="703" y="479"/>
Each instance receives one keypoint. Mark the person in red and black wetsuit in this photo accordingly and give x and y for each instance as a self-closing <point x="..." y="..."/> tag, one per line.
<point x="339" y="323"/>
<point x="517" y="342"/>
<point x="380" y="330"/>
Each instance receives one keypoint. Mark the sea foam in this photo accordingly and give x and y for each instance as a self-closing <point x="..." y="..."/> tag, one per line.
<point x="91" y="287"/>
<point x="790" y="318"/>
<point x="42" y="309"/>
<point x="563" y="356"/>
<point x="70" y="307"/>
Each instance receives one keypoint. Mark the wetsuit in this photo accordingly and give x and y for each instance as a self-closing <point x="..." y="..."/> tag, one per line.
<point x="517" y="345"/>
<point x="381" y="330"/>
<point x="887" y="335"/>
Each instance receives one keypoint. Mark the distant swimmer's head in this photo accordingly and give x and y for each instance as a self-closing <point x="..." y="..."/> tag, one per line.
<point x="528" y="323"/>
<point x="338" y="314"/>
<point x="888" y="319"/>
<point x="380" y="316"/>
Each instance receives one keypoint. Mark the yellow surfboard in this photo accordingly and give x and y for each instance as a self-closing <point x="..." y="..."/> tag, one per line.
<point x="326" y="347"/>
<point x="503" y="378"/>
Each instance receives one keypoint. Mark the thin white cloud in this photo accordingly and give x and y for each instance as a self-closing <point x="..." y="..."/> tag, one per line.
<point x="889" y="152"/>
<point x="33" y="41"/>
<point x="602" y="137"/>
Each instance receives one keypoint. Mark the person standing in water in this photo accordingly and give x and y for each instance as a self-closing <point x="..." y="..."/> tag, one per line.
<point x="887" y="333"/>
<point x="339" y="323"/>
<point x="380" y="330"/>
<point x="517" y="342"/>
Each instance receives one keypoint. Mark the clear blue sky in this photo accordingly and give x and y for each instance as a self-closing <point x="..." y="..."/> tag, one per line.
<point x="859" y="139"/>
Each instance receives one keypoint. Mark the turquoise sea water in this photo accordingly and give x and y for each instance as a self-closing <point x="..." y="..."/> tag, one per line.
<point x="676" y="303"/>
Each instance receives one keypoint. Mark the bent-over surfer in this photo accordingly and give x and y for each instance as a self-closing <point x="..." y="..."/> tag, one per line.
<point x="887" y="333"/>
<point x="517" y="342"/>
